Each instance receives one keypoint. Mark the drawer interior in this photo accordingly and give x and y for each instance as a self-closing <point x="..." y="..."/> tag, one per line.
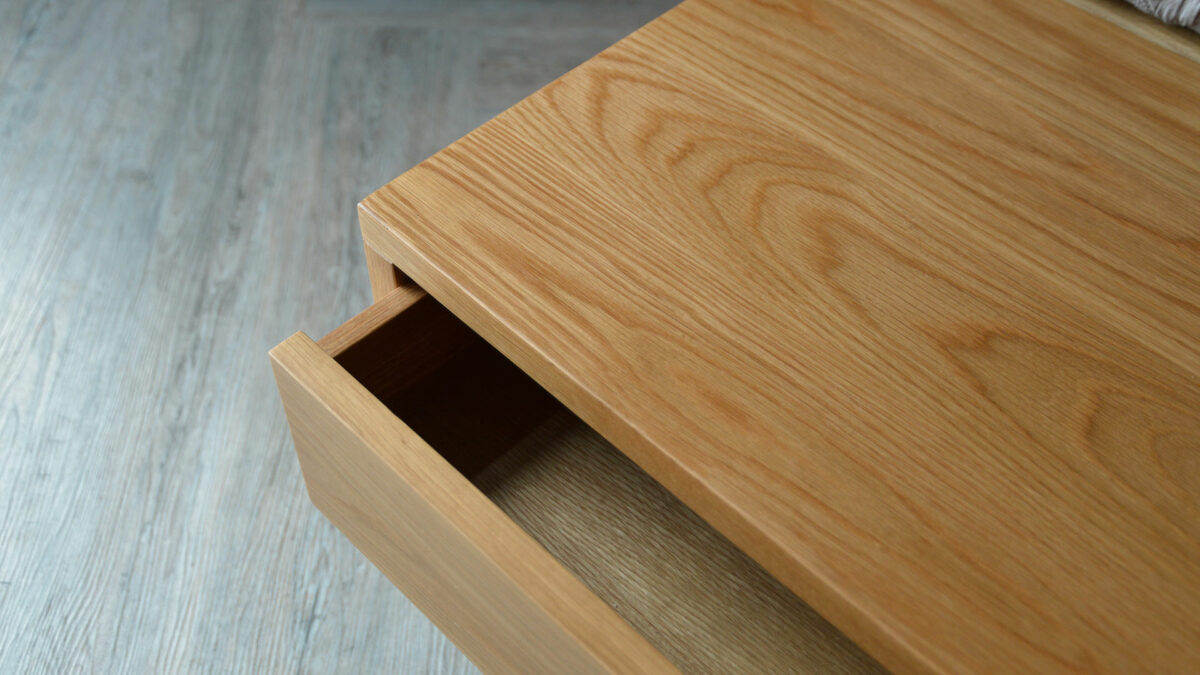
<point x="695" y="596"/>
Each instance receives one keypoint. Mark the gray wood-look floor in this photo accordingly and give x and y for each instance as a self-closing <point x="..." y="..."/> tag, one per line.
<point x="177" y="191"/>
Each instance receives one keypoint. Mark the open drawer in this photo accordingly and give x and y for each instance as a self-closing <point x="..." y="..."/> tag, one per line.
<point x="528" y="539"/>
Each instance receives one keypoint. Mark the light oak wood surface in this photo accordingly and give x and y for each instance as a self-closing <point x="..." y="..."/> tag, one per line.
<point x="396" y="412"/>
<point x="382" y="275"/>
<point x="503" y="599"/>
<point x="695" y="596"/>
<point x="900" y="296"/>
<point x="177" y="191"/>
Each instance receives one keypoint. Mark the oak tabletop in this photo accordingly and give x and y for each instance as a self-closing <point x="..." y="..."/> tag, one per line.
<point x="902" y="296"/>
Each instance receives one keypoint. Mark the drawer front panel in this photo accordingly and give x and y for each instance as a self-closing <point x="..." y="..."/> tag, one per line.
<point x="506" y="602"/>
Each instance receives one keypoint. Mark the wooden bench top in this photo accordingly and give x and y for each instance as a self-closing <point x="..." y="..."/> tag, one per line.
<point x="902" y="297"/>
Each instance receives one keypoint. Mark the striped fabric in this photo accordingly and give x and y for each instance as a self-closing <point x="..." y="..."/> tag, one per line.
<point x="1177" y="12"/>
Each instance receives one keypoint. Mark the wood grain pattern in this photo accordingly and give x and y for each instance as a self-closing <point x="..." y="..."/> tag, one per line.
<point x="177" y="191"/>
<point x="695" y="596"/>
<point x="901" y="297"/>
<point x="383" y="275"/>
<point x="386" y="463"/>
<point x="494" y="591"/>
<point x="383" y="317"/>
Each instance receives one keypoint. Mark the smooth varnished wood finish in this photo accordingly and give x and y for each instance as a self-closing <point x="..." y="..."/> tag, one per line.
<point x="177" y="191"/>
<point x="383" y="275"/>
<point x="490" y="587"/>
<point x="902" y="297"/>
<point x="387" y="450"/>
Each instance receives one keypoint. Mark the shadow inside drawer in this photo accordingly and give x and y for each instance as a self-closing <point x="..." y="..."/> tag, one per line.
<point x="474" y="408"/>
<point x="695" y="596"/>
<point x="447" y="384"/>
